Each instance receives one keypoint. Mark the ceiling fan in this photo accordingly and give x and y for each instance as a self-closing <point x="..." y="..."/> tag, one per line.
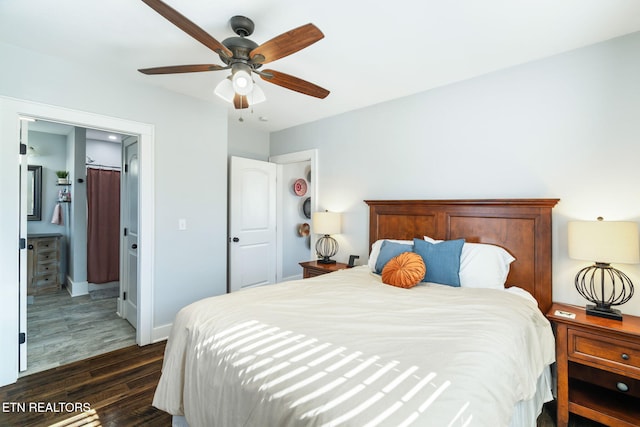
<point x="243" y="57"/>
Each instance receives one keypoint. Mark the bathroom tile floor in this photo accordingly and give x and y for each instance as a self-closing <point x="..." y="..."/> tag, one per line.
<point x="62" y="329"/>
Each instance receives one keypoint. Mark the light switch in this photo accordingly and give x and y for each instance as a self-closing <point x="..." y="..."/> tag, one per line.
<point x="182" y="224"/>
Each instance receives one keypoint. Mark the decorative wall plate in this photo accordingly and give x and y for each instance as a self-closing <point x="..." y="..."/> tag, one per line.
<point x="300" y="187"/>
<point x="306" y="208"/>
<point x="304" y="229"/>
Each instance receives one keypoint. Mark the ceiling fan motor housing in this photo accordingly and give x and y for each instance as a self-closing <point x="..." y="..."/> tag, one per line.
<point x="241" y="25"/>
<point x="240" y="46"/>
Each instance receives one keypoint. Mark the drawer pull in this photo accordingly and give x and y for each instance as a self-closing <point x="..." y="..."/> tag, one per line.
<point x="622" y="387"/>
<point x="624" y="356"/>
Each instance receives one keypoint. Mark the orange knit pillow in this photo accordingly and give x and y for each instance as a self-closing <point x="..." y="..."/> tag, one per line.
<point x="405" y="270"/>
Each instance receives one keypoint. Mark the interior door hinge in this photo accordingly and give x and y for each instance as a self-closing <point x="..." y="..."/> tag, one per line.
<point x="23" y="148"/>
<point x="126" y="168"/>
<point x="125" y="231"/>
<point x="124" y="296"/>
<point x="22" y="338"/>
<point x="23" y="243"/>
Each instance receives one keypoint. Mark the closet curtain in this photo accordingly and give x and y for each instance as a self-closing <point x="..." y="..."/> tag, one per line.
<point x="103" y="225"/>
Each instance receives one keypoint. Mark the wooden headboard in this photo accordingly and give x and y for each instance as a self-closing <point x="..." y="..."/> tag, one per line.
<point x="521" y="226"/>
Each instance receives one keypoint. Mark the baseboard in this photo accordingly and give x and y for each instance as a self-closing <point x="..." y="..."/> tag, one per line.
<point x="161" y="333"/>
<point x="108" y="285"/>
<point x="76" y="289"/>
<point x="294" y="277"/>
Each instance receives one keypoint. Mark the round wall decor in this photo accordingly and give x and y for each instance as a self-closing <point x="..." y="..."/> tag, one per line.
<point x="300" y="187"/>
<point x="304" y="229"/>
<point x="306" y="208"/>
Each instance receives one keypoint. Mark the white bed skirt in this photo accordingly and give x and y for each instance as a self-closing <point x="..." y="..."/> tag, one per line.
<point x="179" y="421"/>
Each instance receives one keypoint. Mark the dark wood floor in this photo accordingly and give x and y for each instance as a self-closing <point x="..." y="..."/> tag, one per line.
<point x="548" y="418"/>
<point x="113" y="389"/>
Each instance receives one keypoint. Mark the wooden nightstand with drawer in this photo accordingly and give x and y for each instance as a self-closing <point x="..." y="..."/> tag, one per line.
<point x="315" y="268"/>
<point x="598" y="367"/>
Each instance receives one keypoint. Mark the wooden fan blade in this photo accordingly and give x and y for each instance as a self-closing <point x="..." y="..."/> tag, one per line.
<point x="294" y="83"/>
<point x="285" y="44"/>
<point x="240" y="102"/>
<point x="174" y="69"/>
<point x="188" y="27"/>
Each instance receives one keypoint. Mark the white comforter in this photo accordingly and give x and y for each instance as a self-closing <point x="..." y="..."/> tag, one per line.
<point x="345" y="349"/>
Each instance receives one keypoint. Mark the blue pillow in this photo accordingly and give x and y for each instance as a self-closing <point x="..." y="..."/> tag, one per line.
<point x="442" y="260"/>
<point x="390" y="250"/>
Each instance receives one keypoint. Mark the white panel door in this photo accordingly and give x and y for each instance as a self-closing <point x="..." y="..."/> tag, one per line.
<point x="252" y="223"/>
<point x="129" y="203"/>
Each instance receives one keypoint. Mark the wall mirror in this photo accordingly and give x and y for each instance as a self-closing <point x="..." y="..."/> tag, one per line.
<point x="34" y="193"/>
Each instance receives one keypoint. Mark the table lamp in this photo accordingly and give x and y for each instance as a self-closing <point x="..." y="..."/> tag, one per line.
<point x="326" y="223"/>
<point x="604" y="242"/>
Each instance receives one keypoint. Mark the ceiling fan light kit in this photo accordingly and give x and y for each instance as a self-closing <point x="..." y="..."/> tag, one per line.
<point x="225" y="90"/>
<point x="244" y="57"/>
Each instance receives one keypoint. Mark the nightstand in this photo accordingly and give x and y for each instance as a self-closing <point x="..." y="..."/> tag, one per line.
<point x="314" y="268"/>
<point x="598" y="367"/>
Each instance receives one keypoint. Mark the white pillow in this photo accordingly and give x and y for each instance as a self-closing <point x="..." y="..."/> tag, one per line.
<point x="482" y="265"/>
<point x="375" y="251"/>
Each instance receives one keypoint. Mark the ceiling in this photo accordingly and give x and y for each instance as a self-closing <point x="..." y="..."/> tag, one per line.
<point x="372" y="52"/>
<point x="65" y="129"/>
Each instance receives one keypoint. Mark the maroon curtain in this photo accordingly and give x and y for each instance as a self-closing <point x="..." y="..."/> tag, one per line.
<point x="103" y="225"/>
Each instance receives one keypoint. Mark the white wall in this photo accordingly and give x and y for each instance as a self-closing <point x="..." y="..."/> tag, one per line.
<point x="51" y="154"/>
<point x="247" y="142"/>
<point x="295" y="248"/>
<point x="190" y="158"/>
<point x="77" y="219"/>
<point x="565" y="127"/>
<point x="105" y="153"/>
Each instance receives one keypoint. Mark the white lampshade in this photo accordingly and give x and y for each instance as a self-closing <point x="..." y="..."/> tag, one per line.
<point x="256" y="96"/>
<point x="326" y="223"/>
<point x="604" y="241"/>
<point x="224" y="90"/>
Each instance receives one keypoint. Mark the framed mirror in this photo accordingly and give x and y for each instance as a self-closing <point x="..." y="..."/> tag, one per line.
<point x="34" y="193"/>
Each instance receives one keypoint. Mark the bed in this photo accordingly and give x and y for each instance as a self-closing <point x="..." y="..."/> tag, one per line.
<point x="347" y="349"/>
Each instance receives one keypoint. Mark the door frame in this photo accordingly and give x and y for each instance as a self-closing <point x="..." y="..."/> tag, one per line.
<point x="13" y="109"/>
<point x="281" y="160"/>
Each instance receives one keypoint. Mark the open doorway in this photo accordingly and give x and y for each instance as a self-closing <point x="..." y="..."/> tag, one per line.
<point x="75" y="256"/>
<point x="14" y="301"/>
<point x="294" y="211"/>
